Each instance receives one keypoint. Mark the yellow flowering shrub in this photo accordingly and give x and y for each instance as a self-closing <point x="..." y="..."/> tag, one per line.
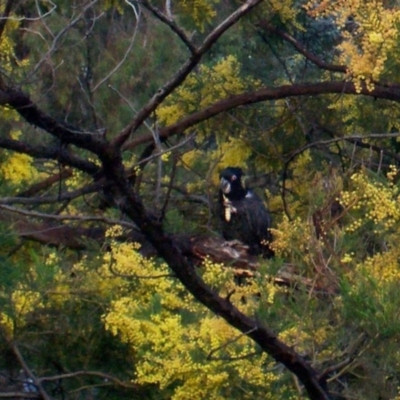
<point x="377" y="202"/>
<point x="182" y="345"/>
<point x="201" y="11"/>
<point x="210" y="84"/>
<point x="18" y="168"/>
<point x="374" y="35"/>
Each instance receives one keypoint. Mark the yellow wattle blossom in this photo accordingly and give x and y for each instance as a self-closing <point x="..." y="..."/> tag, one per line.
<point x="374" y="36"/>
<point x="377" y="201"/>
<point x="6" y="325"/>
<point x="202" y="11"/>
<point x="383" y="267"/>
<point x="287" y="10"/>
<point x="199" y="90"/>
<point x="18" y="168"/>
<point x="176" y="335"/>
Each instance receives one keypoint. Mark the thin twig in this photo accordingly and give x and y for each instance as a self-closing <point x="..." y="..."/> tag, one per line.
<point x="125" y="56"/>
<point x="227" y="343"/>
<point x="80" y="218"/>
<point x="89" y="373"/>
<point x="167" y="19"/>
<point x="60" y="34"/>
<point x="301" y="49"/>
<point x="95" y="187"/>
<point x="170" y="149"/>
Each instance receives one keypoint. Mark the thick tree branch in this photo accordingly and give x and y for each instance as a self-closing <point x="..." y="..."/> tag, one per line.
<point x="21" y="103"/>
<point x="264" y="94"/>
<point x="52" y="152"/>
<point x="46" y="183"/>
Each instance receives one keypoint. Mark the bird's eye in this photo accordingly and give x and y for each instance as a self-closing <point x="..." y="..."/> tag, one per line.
<point x="234" y="177"/>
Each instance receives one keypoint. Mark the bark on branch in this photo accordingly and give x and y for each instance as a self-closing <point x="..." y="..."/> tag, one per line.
<point x="265" y="94"/>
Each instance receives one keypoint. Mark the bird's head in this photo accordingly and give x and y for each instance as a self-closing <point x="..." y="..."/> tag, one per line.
<point x="231" y="183"/>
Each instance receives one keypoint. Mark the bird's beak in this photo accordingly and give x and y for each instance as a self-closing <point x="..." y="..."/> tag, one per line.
<point x="225" y="186"/>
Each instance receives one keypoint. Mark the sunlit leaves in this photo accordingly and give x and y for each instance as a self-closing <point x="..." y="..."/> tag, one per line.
<point x="369" y="35"/>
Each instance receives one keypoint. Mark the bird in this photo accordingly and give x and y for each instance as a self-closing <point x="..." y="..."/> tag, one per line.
<point x="243" y="214"/>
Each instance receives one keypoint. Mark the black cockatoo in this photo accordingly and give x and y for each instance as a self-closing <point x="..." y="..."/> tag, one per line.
<point x="243" y="214"/>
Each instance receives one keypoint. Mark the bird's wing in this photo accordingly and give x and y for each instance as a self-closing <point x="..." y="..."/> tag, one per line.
<point x="257" y="215"/>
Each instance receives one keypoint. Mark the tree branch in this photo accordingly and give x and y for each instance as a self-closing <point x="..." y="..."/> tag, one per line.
<point x="46" y="183"/>
<point x="301" y="49"/>
<point x="264" y="94"/>
<point x="20" y="102"/>
<point x="80" y="218"/>
<point x="174" y="27"/>
<point x="184" y="71"/>
<point x="89" y="373"/>
<point x="66" y="196"/>
<point x="24" y="365"/>
<point x="356" y="139"/>
<point x="52" y="152"/>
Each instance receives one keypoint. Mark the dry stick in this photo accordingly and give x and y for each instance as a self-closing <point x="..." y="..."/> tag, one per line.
<point x="158" y="147"/>
<point x="95" y="187"/>
<point x="89" y="373"/>
<point x="19" y="395"/>
<point x="351" y="138"/>
<point x="24" y="18"/>
<point x="170" y="149"/>
<point x="227" y="343"/>
<point x="53" y="46"/>
<point x="360" y="353"/>
<point x="45" y="183"/>
<point x="169" y="188"/>
<point x="81" y="218"/>
<point x="125" y="56"/>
